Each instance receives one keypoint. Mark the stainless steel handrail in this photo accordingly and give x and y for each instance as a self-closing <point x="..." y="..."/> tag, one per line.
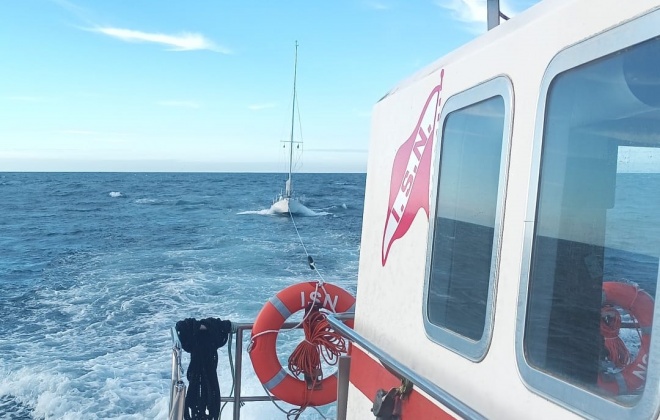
<point x="237" y="399"/>
<point x="335" y="321"/>
<point x="419" y="381"/>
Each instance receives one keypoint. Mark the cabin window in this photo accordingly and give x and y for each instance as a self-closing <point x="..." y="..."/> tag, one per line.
<point x="595" y="244"/>
<point x="463" y="259"/>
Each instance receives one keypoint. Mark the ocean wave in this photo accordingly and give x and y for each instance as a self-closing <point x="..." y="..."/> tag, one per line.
<point x="264" y="212"/>
<point x="146" y="201"/>
<point x="87" y="331"/>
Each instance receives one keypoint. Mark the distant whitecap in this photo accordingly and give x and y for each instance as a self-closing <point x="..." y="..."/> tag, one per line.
<point x="262" y="212"/>
<point x="115" y="194"/>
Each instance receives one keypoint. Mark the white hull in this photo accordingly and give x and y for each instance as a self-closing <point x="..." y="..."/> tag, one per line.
<point x="419" y="206"/>
<point x="280" y="206"/>
<point x="289" y="206"/>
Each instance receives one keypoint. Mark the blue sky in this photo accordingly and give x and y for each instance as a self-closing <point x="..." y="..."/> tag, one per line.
<point x="155" y="85"/>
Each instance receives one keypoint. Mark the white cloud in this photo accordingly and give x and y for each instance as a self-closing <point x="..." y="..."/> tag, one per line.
<point x="79" y="12"/>
<point x="467" y="11"/>
<point x="259" y="107"/>
<point x="180" y="104"/>
<point x="185" y="41"/>
<point x="474" y="12"/>
<point x="377" y="5"/>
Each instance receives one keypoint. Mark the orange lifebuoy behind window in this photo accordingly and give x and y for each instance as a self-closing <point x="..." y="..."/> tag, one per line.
<point x="640" y="305"/>
<point x="263" y="352"/>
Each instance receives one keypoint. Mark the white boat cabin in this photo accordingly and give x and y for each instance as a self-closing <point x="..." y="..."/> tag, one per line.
<point x="511" y="237"/>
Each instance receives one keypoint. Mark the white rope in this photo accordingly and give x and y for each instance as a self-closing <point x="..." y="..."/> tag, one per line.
<point x="319" y="283"/>
<point x="309" y="258"/>
<point x="293" y="411"/>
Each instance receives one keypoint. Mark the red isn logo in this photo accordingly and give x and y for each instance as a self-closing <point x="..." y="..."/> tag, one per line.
<point x="411" y="174"/>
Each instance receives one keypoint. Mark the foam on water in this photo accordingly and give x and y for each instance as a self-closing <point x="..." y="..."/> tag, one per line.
<point x="146" y="201"/>
<point x="263" y="212"/>
<point x="87" y="312"/>
<point x="305" y="212"/>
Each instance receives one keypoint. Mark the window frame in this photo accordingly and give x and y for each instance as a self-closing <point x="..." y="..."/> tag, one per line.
<point x="499" y="86"/>
<point x="563" y="393"/>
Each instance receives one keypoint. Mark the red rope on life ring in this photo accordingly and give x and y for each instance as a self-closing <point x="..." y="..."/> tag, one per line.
<point x="263" y="352"/>
<point x="639" y="304"/>
<point x="320" y="341"/>
<point x="610" y="325"/>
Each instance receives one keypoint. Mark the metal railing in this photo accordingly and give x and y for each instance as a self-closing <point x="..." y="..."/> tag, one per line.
<point x="402" y="371"/>
<point x="237" y="399"/>
<point x="335" y="320"/>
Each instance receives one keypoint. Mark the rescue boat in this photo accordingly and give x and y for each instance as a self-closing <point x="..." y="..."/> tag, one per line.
<point x="510" y="248"/>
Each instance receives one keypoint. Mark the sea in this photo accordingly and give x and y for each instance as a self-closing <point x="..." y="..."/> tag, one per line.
<point x="96" y="269"/>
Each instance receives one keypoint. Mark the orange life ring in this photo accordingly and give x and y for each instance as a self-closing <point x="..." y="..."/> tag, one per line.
<point x="640" y="305"/>
<point x="263" y="352"/>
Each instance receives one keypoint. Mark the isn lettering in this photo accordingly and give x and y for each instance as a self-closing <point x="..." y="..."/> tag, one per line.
<point x="641" y="374"/>
<point x="329" y="302"/>
<point x="411" y="173"/>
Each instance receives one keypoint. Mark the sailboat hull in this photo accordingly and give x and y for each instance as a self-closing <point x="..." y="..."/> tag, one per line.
<point x="290" y="206"/>
<point x="280" y="206"/>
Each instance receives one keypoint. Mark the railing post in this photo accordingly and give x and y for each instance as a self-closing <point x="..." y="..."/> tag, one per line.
<point x="493" y="13"/>
<point x="238" y="364"/>
<point x="402" y="371"/>
<point x="237" y="399"/>
<point x="343" y="374"/>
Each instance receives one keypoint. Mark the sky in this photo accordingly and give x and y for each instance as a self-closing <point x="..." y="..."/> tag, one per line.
<point x="206" y="86"/>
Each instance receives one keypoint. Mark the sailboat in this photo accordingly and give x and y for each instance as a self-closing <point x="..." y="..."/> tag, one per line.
<point x="286" y="202"/>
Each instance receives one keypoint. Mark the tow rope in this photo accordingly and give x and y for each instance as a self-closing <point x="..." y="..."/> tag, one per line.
<point x="310" y="260"/>
<point x="320" y="341"/>
<point x="202" y="339"/>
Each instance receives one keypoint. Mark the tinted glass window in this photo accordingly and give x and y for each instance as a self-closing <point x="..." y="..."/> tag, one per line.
<point x="596" y="244"/>
<point x="463" y="255"/>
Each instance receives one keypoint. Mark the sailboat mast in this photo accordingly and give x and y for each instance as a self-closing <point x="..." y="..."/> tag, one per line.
<point x="293" y="116"/>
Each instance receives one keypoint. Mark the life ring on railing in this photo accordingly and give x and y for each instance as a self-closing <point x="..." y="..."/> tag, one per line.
<point x="263" y="352"/>
<point x="640" y="305"/>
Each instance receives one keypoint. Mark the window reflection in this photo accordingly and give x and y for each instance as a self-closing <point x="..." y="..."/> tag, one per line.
<point x="597" y="235"/>
<point x="468" y="187"/>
